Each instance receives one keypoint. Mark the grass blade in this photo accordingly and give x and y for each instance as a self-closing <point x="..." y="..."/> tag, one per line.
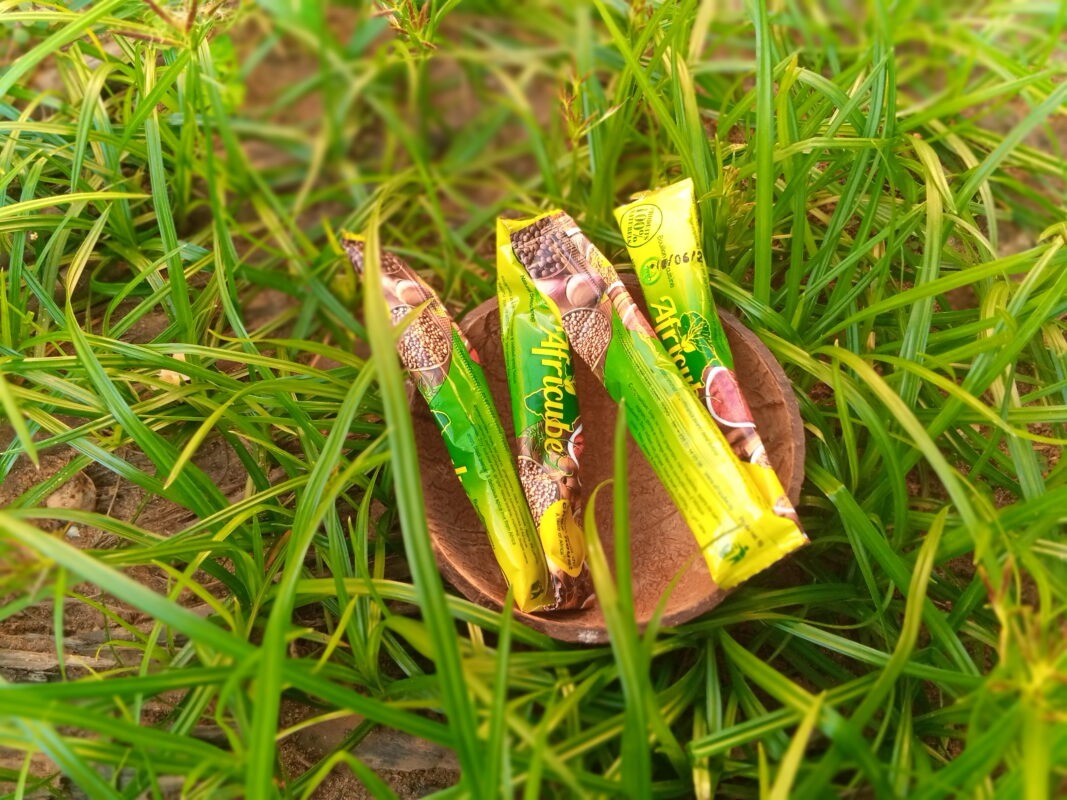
<point x="765" y="171"/>
<point x="408" y="486"/>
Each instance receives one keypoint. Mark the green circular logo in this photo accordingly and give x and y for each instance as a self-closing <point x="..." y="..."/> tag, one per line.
<point x="649" y="271"/>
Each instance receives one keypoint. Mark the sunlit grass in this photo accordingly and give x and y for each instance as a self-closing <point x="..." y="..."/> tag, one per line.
<point x="882" y="190"/>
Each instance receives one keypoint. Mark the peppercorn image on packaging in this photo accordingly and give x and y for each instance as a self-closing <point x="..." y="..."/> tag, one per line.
<point x="737" y="531"/>
<point x="661" y="230"/>
<point x="449" y="377"/>
<point x="548" y="427"/>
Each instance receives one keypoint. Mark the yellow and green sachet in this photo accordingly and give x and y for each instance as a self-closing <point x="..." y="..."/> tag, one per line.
<point x="737" y="531"/>
<point x="451" y="380"/>
<point x="548" y="425"/>
<point x="662" y="234"/>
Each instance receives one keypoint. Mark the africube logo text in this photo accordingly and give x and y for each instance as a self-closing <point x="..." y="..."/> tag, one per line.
<point x="555" y="388"/>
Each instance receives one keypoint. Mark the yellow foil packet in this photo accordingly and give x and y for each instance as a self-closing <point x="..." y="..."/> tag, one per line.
<point x="450" y="378"/>
<point x="548" y="425"/>
<point x="661" y="230"/>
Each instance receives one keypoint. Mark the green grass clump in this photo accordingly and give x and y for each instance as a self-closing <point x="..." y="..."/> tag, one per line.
<point x="882" y="188"/>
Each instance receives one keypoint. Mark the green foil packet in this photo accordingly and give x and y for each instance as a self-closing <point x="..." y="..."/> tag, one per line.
<point x="548" y="425"/>
<point x="735" y="528"/>
<point x="451" y="380"/>
<point x="661" y="230"/>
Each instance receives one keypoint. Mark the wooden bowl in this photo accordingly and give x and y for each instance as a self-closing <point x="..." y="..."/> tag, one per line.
<point x="661" y="543"/>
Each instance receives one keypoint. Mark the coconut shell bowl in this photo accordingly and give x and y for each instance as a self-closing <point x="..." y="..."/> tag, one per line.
<point x="663" y="550"/>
